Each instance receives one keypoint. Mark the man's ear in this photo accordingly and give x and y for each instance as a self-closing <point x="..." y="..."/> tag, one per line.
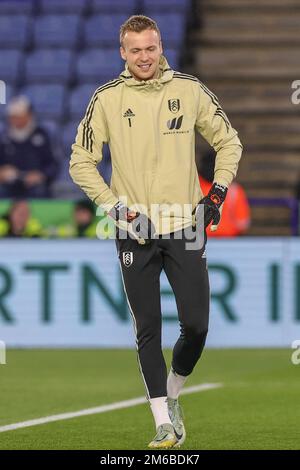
<point x="123" y="53"/>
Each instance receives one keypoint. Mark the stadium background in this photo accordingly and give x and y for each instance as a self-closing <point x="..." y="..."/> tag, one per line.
<point x="68" y="293"/>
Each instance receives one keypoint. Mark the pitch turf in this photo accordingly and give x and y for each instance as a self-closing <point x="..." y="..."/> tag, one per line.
<point x="257" y="407"/>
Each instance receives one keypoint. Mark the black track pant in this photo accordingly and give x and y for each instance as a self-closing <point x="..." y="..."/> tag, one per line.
<point x="187" y="273"/>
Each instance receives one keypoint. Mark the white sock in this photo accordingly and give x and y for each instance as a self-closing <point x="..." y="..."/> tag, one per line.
<point x="159" y="408"/>
<point x="175" y="384"/>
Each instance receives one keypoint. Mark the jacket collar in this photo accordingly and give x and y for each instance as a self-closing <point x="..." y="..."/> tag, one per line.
<point x="165" y="75"/>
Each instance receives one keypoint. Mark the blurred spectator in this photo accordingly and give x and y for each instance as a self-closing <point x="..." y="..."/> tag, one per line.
<point x="83" y="224"/>
<point x="84" y="219"/>
<point x="19" y="223"/>
<point x="27" y="164"/>
<point x="235" y="218"/>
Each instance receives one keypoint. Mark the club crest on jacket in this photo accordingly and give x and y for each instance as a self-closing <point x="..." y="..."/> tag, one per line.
<point x="174" y="105"/>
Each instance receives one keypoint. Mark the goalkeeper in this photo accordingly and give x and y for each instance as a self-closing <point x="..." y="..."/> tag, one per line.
<point x="148" y="116"/>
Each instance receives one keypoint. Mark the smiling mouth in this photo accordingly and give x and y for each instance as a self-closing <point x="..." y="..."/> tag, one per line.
<point x="144" y="66"/>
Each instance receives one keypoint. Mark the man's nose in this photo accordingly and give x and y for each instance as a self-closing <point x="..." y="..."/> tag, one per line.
<point x="144" y="56"/>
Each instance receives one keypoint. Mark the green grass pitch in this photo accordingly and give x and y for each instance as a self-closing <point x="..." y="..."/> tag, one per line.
<point x="257" y="407"/>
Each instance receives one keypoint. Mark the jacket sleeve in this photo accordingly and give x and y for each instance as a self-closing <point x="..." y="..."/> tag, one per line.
<point x="87" y="153"/>
<point x="213" y="124"/>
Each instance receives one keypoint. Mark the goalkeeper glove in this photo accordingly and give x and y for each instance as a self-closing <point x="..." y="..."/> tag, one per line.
<point x="140" y="226"/>
<point x="212" y="203"/>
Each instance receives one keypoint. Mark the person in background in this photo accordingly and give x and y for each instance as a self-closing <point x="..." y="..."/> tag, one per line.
<point x="235" y="218"/>
<point x="84" y="218"/>
<point x="27" y="163"/>
<point x="19" y="223"/>
<point x="83" y="225"/>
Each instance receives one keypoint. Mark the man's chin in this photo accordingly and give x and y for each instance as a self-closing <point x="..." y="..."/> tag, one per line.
<point x="144" y="76"/>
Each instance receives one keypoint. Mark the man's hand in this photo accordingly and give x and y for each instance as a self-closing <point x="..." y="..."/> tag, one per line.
<point x="212" y="203"/>
<point x="33" y="178"/>
<point x="140" y="226"/>
<point x="8" y="174"/>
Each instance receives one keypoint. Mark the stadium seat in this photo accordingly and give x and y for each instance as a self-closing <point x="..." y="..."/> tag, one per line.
<point x="64" y="174"/>
<point x="118" y="6"/>
<point x="16" y="6"/>
<point x="14" y="31"/>
<point x="97" y="65"/>
<point x="49" y="65"/>
<point x="48" y="100"/>
<point x="172" y="27"/>
<point x="9" y="92"/>
<point x="170" y="6"/>
<point x="57" y="30"/>
<point x="68" y="137"/>
<point x="52" y="127"/>
<point x="172" y="56"/>
<point x="79" y="100"/>
<point x="10" y="65"/>
<point x="102" y="30"/>
<point x="59" y="6"/>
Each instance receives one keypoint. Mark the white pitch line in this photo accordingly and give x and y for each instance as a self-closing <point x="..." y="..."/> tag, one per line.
<point x="99" y="409"/>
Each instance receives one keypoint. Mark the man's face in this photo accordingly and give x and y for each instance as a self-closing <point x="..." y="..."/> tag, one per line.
<point x="19" y="215"/>
<point x="142" y="52"/>
<point x="19" y="121"/>
<point x="83" y="216"/>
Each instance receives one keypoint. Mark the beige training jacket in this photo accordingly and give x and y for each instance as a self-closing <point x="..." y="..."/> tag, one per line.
<point x="150" y="128"/>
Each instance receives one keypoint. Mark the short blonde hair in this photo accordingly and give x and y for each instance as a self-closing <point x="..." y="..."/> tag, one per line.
<point x="137" y="24"/>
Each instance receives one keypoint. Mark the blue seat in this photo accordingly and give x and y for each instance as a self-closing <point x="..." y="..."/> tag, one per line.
<point x="49" y="65"/>
<point x="14" y="31"/>
<point x="172" y="27"/>
<point x="59" y="6"/>
<point x="10" y="65"/>
<point x="172" y="56"/>
<point x="16" y="6"/>
<point x="48" y="100"/>
<point x="6" y="93"/>
<point x="170" y="6"/>
<point x="103" y="30"/>
<point x="118" y="6"/>
<point x="68" y="137"/>
<point x="96" y="65"/>
<point x="52" y="127"/>
<point x="57" y="30"/>
<point x="79" y="99"/>
<point x="63" y="176"/>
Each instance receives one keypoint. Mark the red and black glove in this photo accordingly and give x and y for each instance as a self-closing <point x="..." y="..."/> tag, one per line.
<point x="212" y="203"/>
<point x="140" y="226"/>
